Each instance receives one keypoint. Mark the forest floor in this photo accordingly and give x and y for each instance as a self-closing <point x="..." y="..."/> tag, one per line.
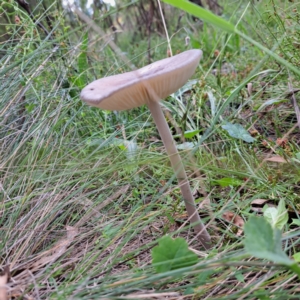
<point x="88" y="195"/>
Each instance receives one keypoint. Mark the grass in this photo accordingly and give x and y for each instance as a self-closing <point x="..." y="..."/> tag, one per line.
<point x="86" y="194"/>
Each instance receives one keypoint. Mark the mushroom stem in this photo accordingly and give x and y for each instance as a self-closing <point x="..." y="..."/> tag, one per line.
<point x="179" y="170"/>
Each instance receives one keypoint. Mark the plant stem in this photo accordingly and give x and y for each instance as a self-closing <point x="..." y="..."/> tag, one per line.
<point x="179" y="170"/>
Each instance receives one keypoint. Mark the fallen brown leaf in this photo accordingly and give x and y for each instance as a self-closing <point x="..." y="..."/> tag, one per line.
<point x="259" y="201"/>
<point x="257" y="205"/>
<point x="276" y="158"/>
<point x="281" y="142"/>
<point x="235" y="219"/>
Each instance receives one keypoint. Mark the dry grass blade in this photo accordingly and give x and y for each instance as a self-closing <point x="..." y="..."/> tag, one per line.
<point x="44" y="259"/>
<point x="96" y="210"/>
<point x="105" y="174"/>
<point x="49" y="256"/>
<point x="145" y="295"/>
<point x="276" y="158"/>
<point x="56" y="251"/>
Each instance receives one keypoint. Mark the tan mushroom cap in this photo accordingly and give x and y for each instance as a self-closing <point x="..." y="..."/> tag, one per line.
<point x="150" y="83"/>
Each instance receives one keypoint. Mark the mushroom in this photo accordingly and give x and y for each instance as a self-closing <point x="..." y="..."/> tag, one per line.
<point x="149" y="85"/>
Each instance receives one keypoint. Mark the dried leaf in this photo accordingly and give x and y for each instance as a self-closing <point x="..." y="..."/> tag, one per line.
<point x="257" y="205"/>
<point x="276" y="158"/>
<point x="254" y="132"/>
<point x="205" y="204"/>
<point x="259" y="201"/>
<point x="281" y="142"/>
<point x="235" y="219"/>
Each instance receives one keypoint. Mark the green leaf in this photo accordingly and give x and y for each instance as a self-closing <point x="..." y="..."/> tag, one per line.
<point x="277" y="217"/>
<point x="263" y="241"/>
<point x="82" y="62"/>
<point x="195" y="43"/>
<point x="296" y="257"/>
<point x="228" y="181"/>
<point x="191" y="133"/>
<point x="269" y="52"/>
<point x="202" y="13"/>
<point x="237" y="131"/>
<point x="188" y="134"/>
<point x="188" y="291"/>
<point x="296" y="222"/>
<point x="172" y="254"/>
<point x="205" y="275"/>
<point x="30" y="107"/>
<point x="240" y="277"/>
<point x="209" y="17"/>
<point x="261" y="294"/>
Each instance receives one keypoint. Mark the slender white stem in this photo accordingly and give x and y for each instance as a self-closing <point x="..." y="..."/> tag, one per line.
<point x="165" y="27"/>
<point x="178" y="168"/>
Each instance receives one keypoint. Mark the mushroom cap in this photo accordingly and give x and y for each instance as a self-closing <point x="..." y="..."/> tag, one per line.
<point x="150" y="83"/>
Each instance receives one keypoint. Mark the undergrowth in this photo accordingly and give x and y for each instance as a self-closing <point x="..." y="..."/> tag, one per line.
<point x="86" y="194"/>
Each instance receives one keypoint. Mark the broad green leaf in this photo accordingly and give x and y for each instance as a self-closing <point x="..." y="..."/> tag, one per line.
<point x="295" y="268"/>
<point x="296" y="222"/>
<point x="296" y="257"/>
<point x="239" y="132"/>
<point x="263" y="241"/>
<point x="270" y="214"/>
<point x="277" y="217"/>
<point x="172" y="254"/>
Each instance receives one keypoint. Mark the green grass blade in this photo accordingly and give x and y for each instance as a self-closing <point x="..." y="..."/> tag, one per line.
<point x="203" y="14"/>
<point x="209" y="17"/>
<point x="269" y="52"/>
